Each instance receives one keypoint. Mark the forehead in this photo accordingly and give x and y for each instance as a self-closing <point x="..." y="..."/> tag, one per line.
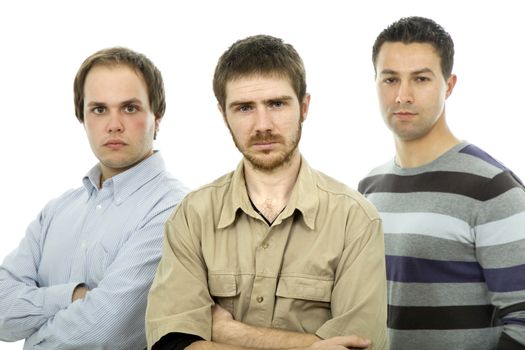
<point x="258" y="87"/>
<point x="399" y="57"/>
<point x="114" y="78"/>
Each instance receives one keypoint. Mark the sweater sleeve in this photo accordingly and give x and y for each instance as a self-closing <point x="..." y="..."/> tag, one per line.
<point x="500" y="243"/>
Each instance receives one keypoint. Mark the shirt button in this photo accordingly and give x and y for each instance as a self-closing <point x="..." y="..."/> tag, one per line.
<point x="99" y="206"/>
<point x="259" y="299"/>
<point x="265" y="245"/>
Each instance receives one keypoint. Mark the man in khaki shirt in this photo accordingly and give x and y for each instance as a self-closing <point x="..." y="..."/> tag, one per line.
<point x="275" y="254"/>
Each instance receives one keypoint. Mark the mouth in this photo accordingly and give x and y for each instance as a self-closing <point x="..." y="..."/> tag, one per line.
<point x="404" y="115"/>
<point x="264" y="145"/>
<point x="115" y="144"/>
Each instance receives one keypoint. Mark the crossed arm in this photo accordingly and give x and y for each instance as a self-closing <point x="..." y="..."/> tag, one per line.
<point x="195" y="313"/>
<point x="228" y="333"/>
<point x="71" y="316"/>
<point x="25" y="305"/>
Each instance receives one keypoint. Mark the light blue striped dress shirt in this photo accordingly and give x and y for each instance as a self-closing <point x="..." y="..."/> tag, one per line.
<point x="108" y="238"/>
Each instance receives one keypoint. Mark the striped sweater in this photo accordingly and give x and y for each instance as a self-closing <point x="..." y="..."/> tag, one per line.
<point x="455" y="251"/>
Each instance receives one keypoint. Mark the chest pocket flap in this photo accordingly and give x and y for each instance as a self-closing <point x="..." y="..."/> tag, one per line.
<point x="305" y="288"/>
<point x="222" y="285"/>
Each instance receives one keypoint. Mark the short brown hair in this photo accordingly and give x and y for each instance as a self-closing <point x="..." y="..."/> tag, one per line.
<point x="259" y="54"/>
<point x="121" y="55"/>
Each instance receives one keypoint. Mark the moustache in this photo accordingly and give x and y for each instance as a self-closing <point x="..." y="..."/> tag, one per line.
<point x="265" y="137"/>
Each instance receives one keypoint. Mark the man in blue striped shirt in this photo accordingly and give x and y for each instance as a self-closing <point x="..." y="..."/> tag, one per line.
<point x="80" y="276"/>
<point x="453" y="217"/>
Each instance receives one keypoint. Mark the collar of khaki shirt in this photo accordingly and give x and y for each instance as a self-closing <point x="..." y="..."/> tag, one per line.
<point x="303" y="198"/>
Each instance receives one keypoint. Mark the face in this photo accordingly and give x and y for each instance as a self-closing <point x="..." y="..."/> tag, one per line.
<point x="117" y="118"/>
<point x="264" y="117"/>
<point x="411" y="89"/>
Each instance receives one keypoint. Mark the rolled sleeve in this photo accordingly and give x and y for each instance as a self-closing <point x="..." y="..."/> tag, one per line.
<point x="359" y="295"/>
<point x="179" y="300"/>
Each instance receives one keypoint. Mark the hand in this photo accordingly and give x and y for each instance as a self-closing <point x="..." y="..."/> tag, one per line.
<point x="79" y="292"/>
<point x="341" y="343"/>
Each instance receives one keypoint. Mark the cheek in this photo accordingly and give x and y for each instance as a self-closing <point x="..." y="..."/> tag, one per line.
<point x="435" y="100"/>
<point x="90" y="128"/>
<point x="385" y="97"/>
<point x="141" y="125"/>
<point x="238" y="128"/>
<point x="384" y="105"/>
<point x="292" y="125"/>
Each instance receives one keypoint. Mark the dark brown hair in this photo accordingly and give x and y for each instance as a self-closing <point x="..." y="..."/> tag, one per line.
<point x="419" y="30"/>
<point x="259" y="54"/>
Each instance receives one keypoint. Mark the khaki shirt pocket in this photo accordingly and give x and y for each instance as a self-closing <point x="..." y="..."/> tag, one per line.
<point x="302" y="303"/>
<point x="223" y="289"/>
<point x="305" y="288"/>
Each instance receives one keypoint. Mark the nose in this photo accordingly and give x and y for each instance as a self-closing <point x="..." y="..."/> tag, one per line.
<point x="115" y="123"/>
<point x="404" y="93"/>
<point x="263" y="120"/>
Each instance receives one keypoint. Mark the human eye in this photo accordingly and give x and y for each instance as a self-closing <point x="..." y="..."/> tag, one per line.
<point x="277" y="104"/>
<point x="422" y="79"/>
<point x="390" y="80"/>
<point x="244" y="108"/>
<point x="131" y="108"/>
<point x="98" y="109"/>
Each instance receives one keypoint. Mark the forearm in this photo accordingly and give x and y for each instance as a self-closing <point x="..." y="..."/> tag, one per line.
<point x="211" y="345"/>
<point x="25" y="302"/>
<point x="24" y="309"/>
<point x="240" y="334"/>
<point x="97" y="319"/>
<point x="335" y="343"/>
<point x="111" y="314"/>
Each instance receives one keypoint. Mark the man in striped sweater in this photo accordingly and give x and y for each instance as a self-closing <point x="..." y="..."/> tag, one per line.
<point x="454" y="218"/>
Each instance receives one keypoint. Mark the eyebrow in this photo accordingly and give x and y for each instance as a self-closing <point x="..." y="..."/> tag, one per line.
<point x="416" y="72"/>
<point x="247" y="102"/>
<point x="123" y="103"/>
<point x="131" y="101"/>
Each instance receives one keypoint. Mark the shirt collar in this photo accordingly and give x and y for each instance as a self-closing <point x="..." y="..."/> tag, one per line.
<point x="304" y="198"/>
<point x="235" y="199"/>
<point x="129" y="181"/>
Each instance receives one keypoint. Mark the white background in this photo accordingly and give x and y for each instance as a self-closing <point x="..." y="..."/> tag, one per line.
<point x="44" y="150"/>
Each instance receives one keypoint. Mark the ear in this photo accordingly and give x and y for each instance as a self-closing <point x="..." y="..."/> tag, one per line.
<point x="451" y="82"/>
<point x="157" y="124"/>
<point x="304" y="106"/>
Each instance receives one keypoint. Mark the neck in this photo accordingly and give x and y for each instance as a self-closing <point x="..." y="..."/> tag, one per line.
<point x="271" y="190"/>
<point x="424" y="150"/>
<point x="107" y="172"/>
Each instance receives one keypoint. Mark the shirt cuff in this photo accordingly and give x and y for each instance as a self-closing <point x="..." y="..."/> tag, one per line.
<point x="58" y="297"/>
